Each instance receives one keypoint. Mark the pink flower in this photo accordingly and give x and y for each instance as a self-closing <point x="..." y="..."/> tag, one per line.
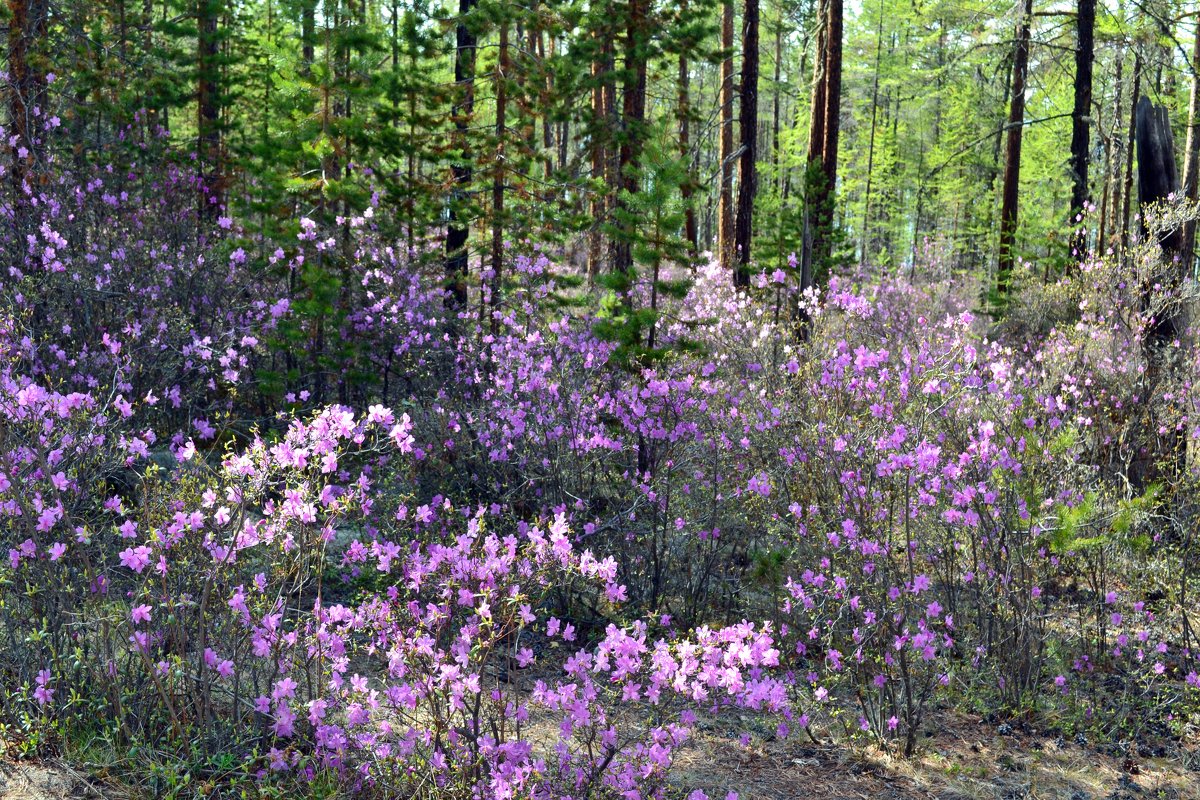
<point x="43" y="693"/>
<point x="136" y="558"/>
<point x="140" y="614"/>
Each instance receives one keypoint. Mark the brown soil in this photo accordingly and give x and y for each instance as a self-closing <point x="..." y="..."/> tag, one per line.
<point x="40" y="782"/>
<point x="963" y="759"/>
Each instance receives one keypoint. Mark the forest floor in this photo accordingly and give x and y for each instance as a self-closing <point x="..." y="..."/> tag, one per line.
<point x="961" y="758"/>
<point x="49" y="780"/>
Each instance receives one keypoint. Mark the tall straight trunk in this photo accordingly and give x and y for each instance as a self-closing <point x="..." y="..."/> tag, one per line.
<point x="1012" y="157"/>
<point x="527" y="97"/>
<point x="1127" y="193"/>
<point x="1104" y="198"/>
<point x="776" y="104"/>
<point x="547" y="91"/>
<point x="458" y="229"/>
<point x="1085" y="24"/>
<point x="833" y="108"/>
<point x="564" y="127"/>
<point x="1112" y="166"/>
<point x="308" y="35"/>
<point x="26" y="89"/>
<point x="122" y="33"/>
<point x="498" y="178"/>
<point x="612" y="150"/>
<point x="866" y="223"/>
<point x="549" y="127"/>
<point x="725" y="232"/>
<point x="1191" y="157"/>
<point x="633" y="111"/>
<point x="823" y="147"/>
<point x="599" y="161"/>
<point x="813" y="191"/>
<point x="684" y="109"/>
<point x="208" y="130"/>
<point x="998" y="141"/>
<point x="776" y="151"/>
<point x="748" y="166"/>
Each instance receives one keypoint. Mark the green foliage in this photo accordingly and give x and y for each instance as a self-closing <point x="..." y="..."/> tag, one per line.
<point x="650" y="221"/>
<point x="1089" y="524"/>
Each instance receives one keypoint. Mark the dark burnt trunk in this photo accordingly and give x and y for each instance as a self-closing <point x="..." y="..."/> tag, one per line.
<point x="458" y="229"/>
<point x="748" y="166"/>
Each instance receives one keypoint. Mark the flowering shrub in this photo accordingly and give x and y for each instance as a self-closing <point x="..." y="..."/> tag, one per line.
<point x="268" y="507"/>
<point x="223" y="622"/>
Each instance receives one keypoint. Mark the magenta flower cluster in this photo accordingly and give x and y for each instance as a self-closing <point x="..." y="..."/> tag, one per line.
<point x="354" y="534"/>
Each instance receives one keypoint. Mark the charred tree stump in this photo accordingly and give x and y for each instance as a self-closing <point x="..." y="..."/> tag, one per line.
<point x="1158" y="183"/>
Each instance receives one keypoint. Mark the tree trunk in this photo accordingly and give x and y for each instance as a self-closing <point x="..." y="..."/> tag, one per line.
<point x="538" y="36"/>
<point x="1191" y="158"/>
<point x="457" y="231"/>
<point x="1085" y="23"/>
<point x="687" y="190"/>
<point x="308" y="35"/>
<point x="498" y="178"/>
<point x="26" y="89"/>
<point x="1012" y="157"/>
<point x="725" y="232"/>
<point x="208" y="130"/>
<point x="599" y="160"/>
<point x="866" y="223"/>
<point x="1158" y="180"/>
<point x="826" y="183"/>
<point x="634" y="118"/>
<point x="1112" y="168"/>
<point x="748" y="167"/>
<point x="813" y="197"/>
<point x="776" y="92"/>
<point x="1128" y="187"/>
<point x="612" y="150"/>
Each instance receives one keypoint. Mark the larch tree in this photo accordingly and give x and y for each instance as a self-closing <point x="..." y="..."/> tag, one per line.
<point x="1085" y="25"/>
<point x="684" y="118"/>
<point x="208" y="105"/>
<point x="633" y="121"/>
<point x="1191" y="152"/>
<point x="725" y="217"/>
<point x="748" y="163"/>
<point x="597" y="149"/>
<point x="823" y="137"/>
<point x="498" y="177"/>
<point x="1012" y="157"/>
<point x="27" y="24"/>
<point x="458" y="229"/>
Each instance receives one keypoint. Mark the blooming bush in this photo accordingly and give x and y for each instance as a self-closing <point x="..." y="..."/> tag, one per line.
<point x="270" y="510"/>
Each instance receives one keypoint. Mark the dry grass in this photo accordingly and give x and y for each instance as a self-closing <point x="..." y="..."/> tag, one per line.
<point x="50" y="780"/>
<point x="962" y="759"/>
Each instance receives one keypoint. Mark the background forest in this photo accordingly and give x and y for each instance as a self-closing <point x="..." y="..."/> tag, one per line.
<point x="528" y="118"/>
<point x="575" y="400"/>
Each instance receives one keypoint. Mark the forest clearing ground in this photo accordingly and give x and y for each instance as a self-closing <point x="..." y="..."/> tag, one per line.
<point x="963" y="759"/>
<point x="52" y="779"/>
<point x="960" y="757"/>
